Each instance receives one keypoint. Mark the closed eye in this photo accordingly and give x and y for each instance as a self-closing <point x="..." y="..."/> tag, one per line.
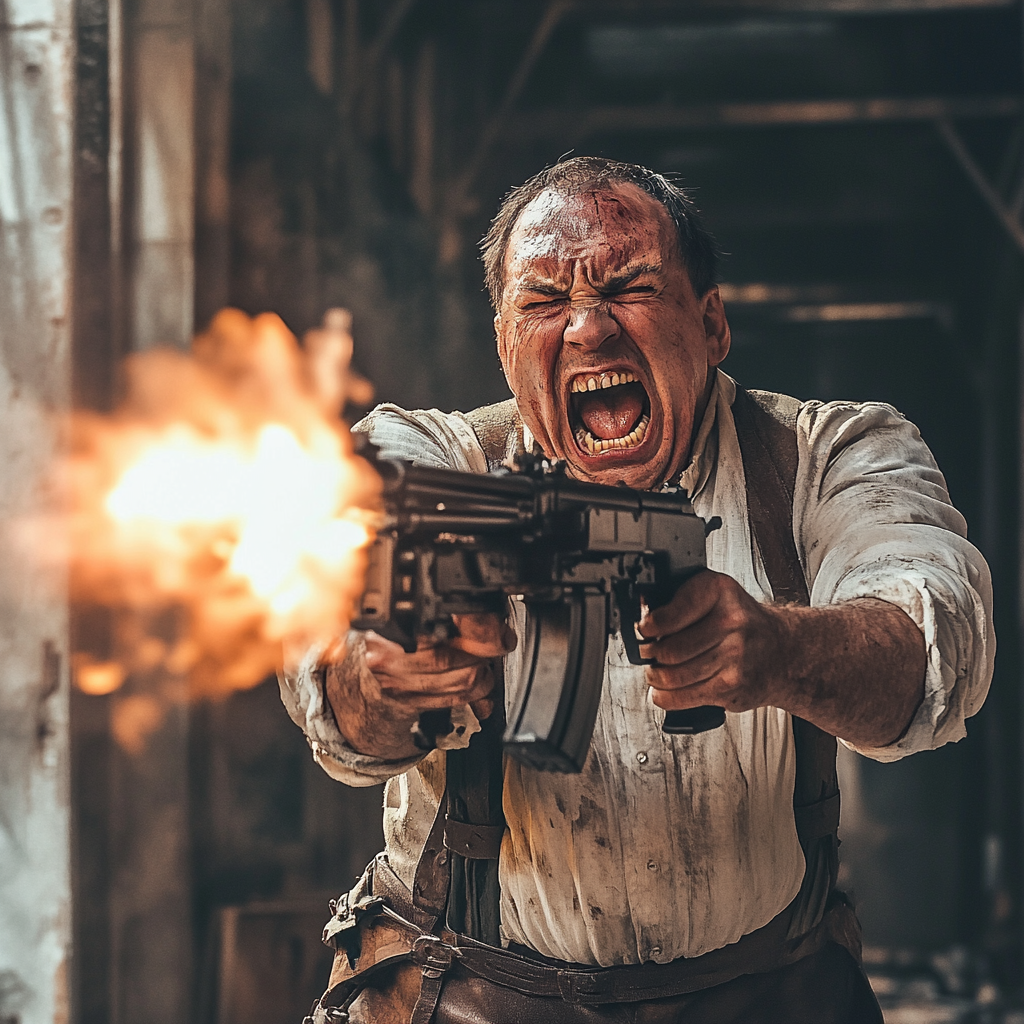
<point x="542" y="301"/>
<point x="634" y="291"/>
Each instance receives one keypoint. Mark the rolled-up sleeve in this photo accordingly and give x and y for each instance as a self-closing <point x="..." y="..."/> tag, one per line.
<point x="426" y="437"/>
<point x="872" y="518"/>
<point x="305" y="700"/>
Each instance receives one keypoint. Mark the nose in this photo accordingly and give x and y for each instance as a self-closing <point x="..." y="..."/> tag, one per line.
<point x="590" y="324"/>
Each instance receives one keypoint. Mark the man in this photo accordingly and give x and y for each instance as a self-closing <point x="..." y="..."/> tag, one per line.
<point x="682" y="854"/>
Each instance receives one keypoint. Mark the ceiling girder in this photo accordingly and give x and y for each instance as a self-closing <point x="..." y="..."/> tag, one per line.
<point x="690" y="7"/>
<point x="1007" y="216"/>
<point x="658" y="117"/>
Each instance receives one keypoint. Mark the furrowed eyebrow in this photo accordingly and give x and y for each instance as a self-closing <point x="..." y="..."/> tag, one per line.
<point x="544" y="288"/>
<point x="619" y="281"/>
<point x="614" y="283"/>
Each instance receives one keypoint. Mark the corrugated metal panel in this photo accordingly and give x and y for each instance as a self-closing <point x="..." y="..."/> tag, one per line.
<point x="35" y="215"/>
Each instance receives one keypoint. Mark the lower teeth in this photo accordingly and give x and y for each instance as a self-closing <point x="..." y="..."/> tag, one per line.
<point x="596" y="445"/>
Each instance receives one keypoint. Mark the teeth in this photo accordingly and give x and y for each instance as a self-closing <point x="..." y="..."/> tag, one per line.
<point x="596" y="445"/>
<point x="604" y="380"/>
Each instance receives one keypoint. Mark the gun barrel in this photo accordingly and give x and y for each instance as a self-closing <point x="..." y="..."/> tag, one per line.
<point x="456" y="521"/>
<point x="494" y="499"/>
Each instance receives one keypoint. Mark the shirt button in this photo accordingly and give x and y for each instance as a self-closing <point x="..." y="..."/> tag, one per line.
<point x="655" y="950"/>
<point x="652" y="865"/>
<point x="642" y="757"/>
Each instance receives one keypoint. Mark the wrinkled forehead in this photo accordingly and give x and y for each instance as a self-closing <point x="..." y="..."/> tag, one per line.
<point x="607" y="226"/>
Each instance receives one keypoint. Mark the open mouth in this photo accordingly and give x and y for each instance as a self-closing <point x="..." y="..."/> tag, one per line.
<point x="608" y="411"/>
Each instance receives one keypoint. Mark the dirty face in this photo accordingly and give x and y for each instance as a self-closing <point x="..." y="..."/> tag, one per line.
<point x="604" y="344"/>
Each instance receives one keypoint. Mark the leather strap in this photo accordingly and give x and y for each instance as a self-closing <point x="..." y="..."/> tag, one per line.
<point x="387" y="942"/>
<point x="430" y="883"/>
<point x="475" y="782"/>
<point x="766" y="431"/>
<point x="769" y="451"/>
<point x="477" y="842"/>
<point x="764" y="950"/>
<point x="435" y="958"/>
<point x="817" y="820"/>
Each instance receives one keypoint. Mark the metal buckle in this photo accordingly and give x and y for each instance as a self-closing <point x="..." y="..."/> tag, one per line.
<point x="327" y="1015"/>
<point x="433" y="955"/>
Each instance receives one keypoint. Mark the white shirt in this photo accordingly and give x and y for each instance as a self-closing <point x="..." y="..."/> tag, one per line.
<point x="669" y="846"/>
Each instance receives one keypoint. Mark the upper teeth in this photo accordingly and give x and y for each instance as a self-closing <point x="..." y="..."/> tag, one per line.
<point x="601" y="380"/>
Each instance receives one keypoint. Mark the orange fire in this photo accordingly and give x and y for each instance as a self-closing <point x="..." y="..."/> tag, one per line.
<point x="220" y="511"/>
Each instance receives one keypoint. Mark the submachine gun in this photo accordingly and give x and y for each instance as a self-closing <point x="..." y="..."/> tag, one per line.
<point x="579" y="555"/>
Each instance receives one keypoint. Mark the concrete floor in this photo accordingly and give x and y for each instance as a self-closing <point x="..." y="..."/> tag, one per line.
<point x="949" y="987"/>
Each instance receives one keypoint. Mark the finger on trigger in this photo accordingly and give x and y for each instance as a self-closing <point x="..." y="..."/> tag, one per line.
<point x="485" y="636"/>
<point x="690" y="603"/>
<point x="477" y="627"/>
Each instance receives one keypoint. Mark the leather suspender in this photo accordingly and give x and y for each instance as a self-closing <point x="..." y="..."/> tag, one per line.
<point x="766" y="430"/>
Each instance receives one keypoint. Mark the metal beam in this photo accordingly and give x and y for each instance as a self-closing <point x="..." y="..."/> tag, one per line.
<point x="576" y="124"/>
<point x="385" y="37"/>
<point x="830" y="303"/>
<point x="555" y="11"/>
<point x="378" y="48"/>
<point x="686" y="7"/>
<point x="849" y="312"/>
<point x="986" y="190"/>
<point x="762" y="293"/>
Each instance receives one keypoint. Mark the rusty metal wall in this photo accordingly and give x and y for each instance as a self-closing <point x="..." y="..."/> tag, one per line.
<point x="36" y="53"/>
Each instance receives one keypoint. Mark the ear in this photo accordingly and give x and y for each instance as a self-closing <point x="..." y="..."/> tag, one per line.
<point x="717" y="335"/>
<point x="502" y="343"/>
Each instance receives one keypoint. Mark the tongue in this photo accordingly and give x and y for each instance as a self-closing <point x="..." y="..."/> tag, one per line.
<point x="611" y="412"/>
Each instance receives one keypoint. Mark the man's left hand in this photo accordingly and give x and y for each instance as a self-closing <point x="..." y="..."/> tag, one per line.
<point x="855" y="669"/>
<point x="713" y="644"/>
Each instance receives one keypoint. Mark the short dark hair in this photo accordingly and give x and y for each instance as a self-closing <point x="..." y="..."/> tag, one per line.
<point x="697" y="245"/>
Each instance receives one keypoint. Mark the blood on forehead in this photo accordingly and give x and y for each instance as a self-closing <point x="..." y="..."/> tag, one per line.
<point x="605" y="229"/>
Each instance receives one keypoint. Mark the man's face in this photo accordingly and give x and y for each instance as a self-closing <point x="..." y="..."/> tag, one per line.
<point x="603" y="342"/>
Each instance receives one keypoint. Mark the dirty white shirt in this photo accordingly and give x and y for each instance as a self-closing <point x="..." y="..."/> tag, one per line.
<point x="670" y="846"/>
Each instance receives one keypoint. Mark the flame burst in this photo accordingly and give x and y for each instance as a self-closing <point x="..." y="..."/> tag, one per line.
<point x="221" y="509"/>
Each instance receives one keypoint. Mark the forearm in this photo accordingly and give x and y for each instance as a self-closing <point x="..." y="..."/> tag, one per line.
<point x="855" y="670"/>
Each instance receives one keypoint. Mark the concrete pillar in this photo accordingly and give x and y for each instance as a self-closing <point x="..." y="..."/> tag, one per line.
<point x="36" y="72"/>
<point x="159" y="103"/>
<point x="212" y="158"/>
<point x="151" y="933"/>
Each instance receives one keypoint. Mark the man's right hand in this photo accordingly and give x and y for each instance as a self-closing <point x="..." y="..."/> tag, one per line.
<point x="376" y="711"/>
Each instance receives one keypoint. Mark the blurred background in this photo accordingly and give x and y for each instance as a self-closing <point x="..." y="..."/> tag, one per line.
<point x="862" y="164"/>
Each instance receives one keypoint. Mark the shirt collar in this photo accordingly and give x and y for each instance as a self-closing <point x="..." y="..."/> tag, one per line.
<point x="705" y="444"/>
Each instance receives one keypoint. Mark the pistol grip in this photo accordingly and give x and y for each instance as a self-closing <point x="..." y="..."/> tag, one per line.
<point x="677" y="723"/>
<point x="693" y="720"/>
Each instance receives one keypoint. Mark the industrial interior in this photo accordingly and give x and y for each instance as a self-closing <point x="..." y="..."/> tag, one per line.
<point x="861" y="163"/>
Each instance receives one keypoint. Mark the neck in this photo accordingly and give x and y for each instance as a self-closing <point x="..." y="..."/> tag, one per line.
<point x="698" y="419"/>
<point x="702" y="405"/>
